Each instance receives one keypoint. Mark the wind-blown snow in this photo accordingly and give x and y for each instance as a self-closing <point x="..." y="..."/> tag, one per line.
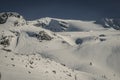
<point x="56" y="49"/>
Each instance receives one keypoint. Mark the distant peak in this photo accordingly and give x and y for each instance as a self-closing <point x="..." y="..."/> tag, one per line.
<point x="12" y="17"/>
<point x="110" y="23"/>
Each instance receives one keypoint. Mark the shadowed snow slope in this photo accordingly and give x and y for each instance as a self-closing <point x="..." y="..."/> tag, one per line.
<point x="56" y="49"/>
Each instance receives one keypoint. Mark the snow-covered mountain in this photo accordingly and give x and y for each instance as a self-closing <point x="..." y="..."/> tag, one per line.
<point x="109" y="23"/>
<point x="60" y="25"/>
<point x="58" y="49"/>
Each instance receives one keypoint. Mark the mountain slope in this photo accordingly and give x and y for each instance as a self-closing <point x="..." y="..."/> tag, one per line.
<point x="67" y="49"/>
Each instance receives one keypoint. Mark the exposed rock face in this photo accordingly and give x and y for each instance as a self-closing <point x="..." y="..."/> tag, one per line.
<point x="52" y="24"/>
<point x="57" y="26"/>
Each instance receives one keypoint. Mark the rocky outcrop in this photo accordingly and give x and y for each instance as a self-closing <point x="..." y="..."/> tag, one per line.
<point x="5" y="40"/>
<point x="42" y="35"/>
<point x="17" y="21"/>
<point x="3" y="18"/>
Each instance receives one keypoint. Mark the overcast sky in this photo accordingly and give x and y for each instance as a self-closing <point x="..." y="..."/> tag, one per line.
<point x="66" y="9"/>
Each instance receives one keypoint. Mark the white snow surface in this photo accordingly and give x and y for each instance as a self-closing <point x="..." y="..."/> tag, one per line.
<point x="69" y="50"/>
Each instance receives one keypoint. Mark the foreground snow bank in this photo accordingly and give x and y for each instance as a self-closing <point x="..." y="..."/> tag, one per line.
<point x="34" y="67"/>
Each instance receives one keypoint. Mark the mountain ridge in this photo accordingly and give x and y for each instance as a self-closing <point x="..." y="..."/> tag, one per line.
<point x="58" y="25"/>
